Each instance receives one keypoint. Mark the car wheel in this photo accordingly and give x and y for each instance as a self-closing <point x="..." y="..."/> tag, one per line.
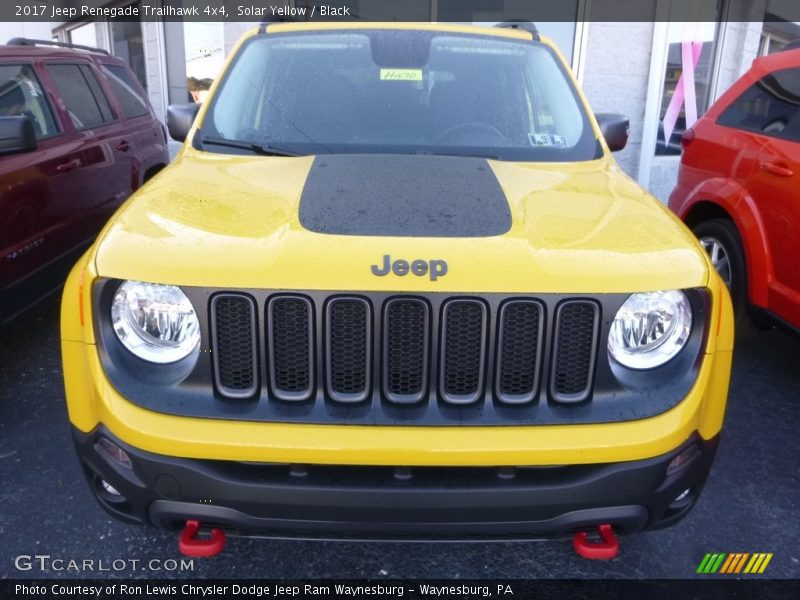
<point x="721" y="240"/>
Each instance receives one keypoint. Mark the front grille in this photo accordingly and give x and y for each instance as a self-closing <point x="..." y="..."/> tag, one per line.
<point x="290" y="340"/>
<point x="234" y="345"/>
<point x="575" y="349"/>
<point x="463" y="350"/>
<point x="518" y="350"/>
<point x="386" y="358"/>
<point x="406" y="326"/>
<point x="348" y="349"/>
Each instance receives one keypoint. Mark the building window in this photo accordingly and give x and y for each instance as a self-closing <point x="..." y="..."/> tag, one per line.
<point x="771" y="43"/>
<point x="777" y="35"/>
<point x="688" y="73"/>
<point x="556" y="21"/>
<point x="779" y="28"/>
<point x="127" y="43"/>
<point x="84" y="35"/>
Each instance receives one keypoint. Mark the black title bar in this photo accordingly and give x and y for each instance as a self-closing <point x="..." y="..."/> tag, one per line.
<point x="58" y="11"/>
<point x="517" y="589"/>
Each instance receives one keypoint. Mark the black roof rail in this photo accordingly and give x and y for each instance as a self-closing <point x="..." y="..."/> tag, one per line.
<point x="523" y="25"/>
<point x="262" y="26"/>
<point x="18" y="41"/>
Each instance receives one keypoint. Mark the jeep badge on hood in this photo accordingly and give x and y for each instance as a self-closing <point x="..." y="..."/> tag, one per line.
<point x="400" y="267"/>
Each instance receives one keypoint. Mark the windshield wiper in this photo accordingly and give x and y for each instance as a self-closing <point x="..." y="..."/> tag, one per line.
<point x="464" y="154"/>
<point x="260" y="149"/>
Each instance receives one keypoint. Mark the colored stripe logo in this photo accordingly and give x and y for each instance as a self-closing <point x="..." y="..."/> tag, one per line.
<point x="732" y="563"/>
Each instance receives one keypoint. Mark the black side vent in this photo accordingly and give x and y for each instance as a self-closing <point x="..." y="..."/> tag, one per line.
<point x="520" y="329"/>
<point x="233" y="350"/>
<point x="348" y="360"/>
<point x="405" y="346"/>
<point x="290" y="347"/>
<point x="575" y="350"/>
<point x="463" y="351"/>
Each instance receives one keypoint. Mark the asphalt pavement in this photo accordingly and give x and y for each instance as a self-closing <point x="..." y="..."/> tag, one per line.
<point x="749" y="503"/>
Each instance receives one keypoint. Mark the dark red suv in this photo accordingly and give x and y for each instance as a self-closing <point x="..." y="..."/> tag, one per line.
<point x="77" y="136"/>
<point x="739" y="189"/>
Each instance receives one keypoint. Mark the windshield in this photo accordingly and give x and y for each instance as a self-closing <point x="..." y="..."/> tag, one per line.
<point x="397" y="91"/>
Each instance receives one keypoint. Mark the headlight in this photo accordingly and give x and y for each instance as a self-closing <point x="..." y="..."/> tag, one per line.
<point x="650" y="329"/>
<point x="155" y="322"/>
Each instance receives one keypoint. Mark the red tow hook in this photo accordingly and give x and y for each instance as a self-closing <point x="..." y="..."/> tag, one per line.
<point x="607" y="549"/>
<point x="189" y="545"/>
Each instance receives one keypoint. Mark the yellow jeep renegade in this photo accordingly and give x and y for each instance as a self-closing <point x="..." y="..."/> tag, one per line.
<point x="394" y="284"/>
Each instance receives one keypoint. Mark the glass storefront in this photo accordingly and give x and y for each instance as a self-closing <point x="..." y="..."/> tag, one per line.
<point x="688" y="73"/>
<point x="556" y="21"/>
<point x="127" y="43"/>
<point x="84" y="35"/>
<point x="204" y="52"/>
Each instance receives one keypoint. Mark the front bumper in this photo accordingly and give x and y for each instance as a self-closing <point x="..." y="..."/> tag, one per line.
<point x="380" y="502"/>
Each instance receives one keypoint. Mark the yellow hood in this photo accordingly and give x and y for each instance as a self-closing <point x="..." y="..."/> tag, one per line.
<point x="233" y="222"/>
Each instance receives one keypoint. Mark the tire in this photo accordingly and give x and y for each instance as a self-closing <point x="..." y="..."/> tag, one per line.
<point x="720" y="237"/>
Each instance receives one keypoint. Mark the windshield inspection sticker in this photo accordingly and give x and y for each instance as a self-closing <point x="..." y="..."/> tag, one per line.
<point x="401" y="74"/>
<point x="547" y="139"/>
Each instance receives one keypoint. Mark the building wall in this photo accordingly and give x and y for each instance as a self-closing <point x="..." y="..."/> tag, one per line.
<point x="36" y="31"/>
<point x="156" y="64"/>
<point x="615" y="78"/>
<point x="231" y="33"/>
<point x="740" y="41"/>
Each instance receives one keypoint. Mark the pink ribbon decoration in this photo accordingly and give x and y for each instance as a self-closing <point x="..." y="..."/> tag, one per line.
<point x="685" y="88"/>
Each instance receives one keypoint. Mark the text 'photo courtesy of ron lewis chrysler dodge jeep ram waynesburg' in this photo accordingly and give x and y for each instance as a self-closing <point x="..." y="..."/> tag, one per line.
<point x="394" y="285"/>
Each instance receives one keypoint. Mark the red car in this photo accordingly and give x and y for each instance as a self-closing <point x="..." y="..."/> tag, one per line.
<point x="77" y="136"/>
<point x="739" y="189"/>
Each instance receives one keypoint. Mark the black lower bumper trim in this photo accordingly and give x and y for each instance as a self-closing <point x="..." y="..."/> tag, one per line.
<point x="169" y="514"/>
<point x="373" y="502"/>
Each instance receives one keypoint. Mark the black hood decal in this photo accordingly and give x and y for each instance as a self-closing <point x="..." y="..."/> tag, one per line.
<point x="405" y="196"/>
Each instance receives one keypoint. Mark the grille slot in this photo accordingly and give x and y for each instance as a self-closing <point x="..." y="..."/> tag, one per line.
<point x="405" y="349"/>
<point x="234" y="354"/>
<point x="291" y="343"/>
<point x="463" y="351"/>
<point x="574" y="350"/>
<point x="348" y="339"/>
<point x="520" y="330"/>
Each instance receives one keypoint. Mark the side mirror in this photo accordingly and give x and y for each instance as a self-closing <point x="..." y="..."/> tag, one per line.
<point x="16" y="135"/>
<point x="179" y="120"/>
<point x="615" y="129"/>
